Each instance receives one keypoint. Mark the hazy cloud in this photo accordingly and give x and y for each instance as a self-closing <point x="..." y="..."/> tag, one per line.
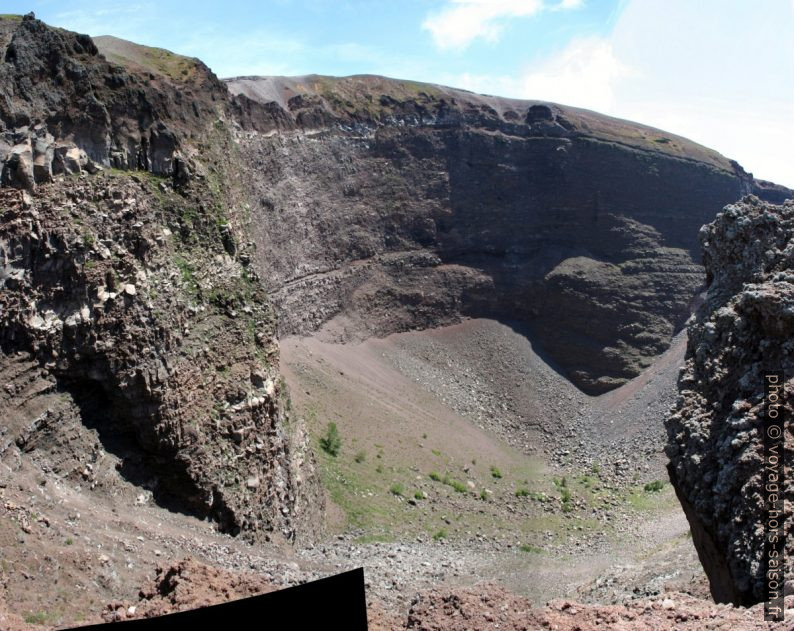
<point x="720" y="72"/>
<point x="462" y="21"/>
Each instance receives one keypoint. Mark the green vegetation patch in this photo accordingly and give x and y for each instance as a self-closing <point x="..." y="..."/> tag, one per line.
<point x="331" y="443"/>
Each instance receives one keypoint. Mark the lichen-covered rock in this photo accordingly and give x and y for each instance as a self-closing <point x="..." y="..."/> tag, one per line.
<point x="715" y="441"/>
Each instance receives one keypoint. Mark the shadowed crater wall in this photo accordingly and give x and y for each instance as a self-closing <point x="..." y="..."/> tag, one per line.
<point x="384" y="205"/>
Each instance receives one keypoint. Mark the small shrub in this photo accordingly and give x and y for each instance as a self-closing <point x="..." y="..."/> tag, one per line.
<point x="596" y="468"/>
<point x="435" y="476"/>
<point x="331" y="443"/>
<point x="441" y="534"/>
<point x="396" y="489"/>
<point x="654" y="487"/>
<point x="69" y="541"/>
<point x="418" y="495"/>
<point x="379" y="468"/>
<point x="36" y="618"/>
<point x="496" y="473"/>
<point x="528" y="548"/>
<point x="565" y="495"/>
<point x="361" y="456"/>
<point x="458" y="486"/>
<point x="484" y="495"/>
<point x="522" y="492"/>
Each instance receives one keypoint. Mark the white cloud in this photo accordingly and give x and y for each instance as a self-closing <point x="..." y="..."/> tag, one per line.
<point x="720" y="72"/>
<point x="463" y="21"/>
<point x="584" y="74"/>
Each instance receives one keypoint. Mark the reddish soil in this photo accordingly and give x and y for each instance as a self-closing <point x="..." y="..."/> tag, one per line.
<point x="486" y="607"/>
<point x="187" y="584"/>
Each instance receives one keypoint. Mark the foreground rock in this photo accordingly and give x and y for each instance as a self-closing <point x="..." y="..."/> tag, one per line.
<point x="492" y="607"/>
<point x="189" y="584"/>
<point x="715" y="438"/>
<point x="185" y="585"/>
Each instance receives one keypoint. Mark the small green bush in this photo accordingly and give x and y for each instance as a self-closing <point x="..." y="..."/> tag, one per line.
<point x="654" y="487"/>
<point x="331" y="443"/>
<point x="458" y="486"/>
<point x="361" y="456"/>
<point x="435" y="476"/>
<point x="560" y="483"/>
<point x="441" y="534"/>
<point x="39" y="618"/>
<point x="418" y="495"/>
<point x="496" y="473"/>
<point x="522" y="492"/>
<point x="396" y="489"/>
<point x="528" y="548"/>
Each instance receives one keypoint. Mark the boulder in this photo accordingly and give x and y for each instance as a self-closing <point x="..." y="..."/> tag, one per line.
<point x="43" y="154"/>
<point x="69" y="159"/>
<point x="18" y="167"/>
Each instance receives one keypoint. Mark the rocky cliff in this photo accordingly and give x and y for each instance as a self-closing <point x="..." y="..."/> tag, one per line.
<point x="123" y="279"/>
<point x="715" y="436"/>
<point x="388" y="205"/>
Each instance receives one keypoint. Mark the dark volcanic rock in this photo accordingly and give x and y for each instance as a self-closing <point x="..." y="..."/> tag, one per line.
<point x="715" y="436"/>
<point x="389" y="205"/>
<point x="55" y="85"/>
<point x="132" y="291"/>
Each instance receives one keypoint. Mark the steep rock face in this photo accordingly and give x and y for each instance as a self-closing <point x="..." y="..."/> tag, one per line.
<point x="173" y="357"/>
<point x="715" y="436"/>
<point x="64" y="107"/>
<point x="133" y="292"/>
<point x="387" y="205"/>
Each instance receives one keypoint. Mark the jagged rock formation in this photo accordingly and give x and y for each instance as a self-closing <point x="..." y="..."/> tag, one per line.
<point x="715" y="440"/>
<point x="134" y="294"/>
<point x="64" y="108"/>
<point x="389" y="205"/>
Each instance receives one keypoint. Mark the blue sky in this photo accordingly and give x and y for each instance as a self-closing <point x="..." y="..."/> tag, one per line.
<point x="718" y="71"/>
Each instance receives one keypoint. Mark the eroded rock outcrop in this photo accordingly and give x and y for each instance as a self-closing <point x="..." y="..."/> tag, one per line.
<point x="715" y="440"/>
<point x="64" y="107"/>
<point x="133" y="292"/>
